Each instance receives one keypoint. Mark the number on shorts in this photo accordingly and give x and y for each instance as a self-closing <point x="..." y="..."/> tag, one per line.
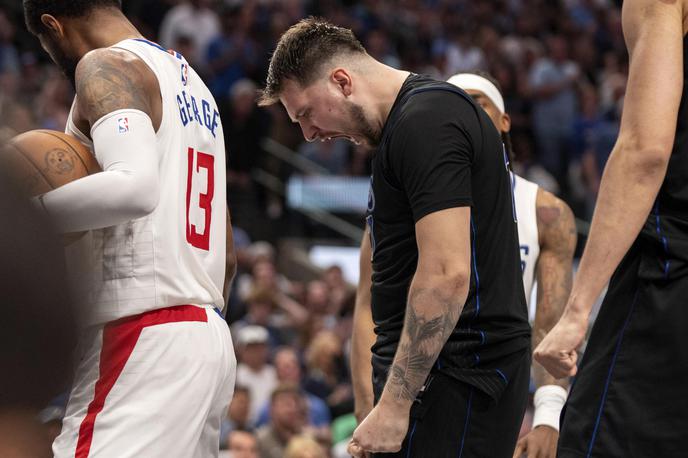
<point x="205" y="198"/>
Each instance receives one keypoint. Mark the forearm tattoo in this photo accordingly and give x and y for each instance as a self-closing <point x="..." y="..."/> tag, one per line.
<point x="430" y="318"/>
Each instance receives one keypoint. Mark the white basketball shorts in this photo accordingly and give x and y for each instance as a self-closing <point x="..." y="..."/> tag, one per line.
<point x="151" y="385"/>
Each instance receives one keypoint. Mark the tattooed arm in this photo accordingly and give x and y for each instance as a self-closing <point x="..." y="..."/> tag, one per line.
<point x="557" y="233"/>
<point x="436" y="297"/>
<point x="118" y="99"/>
<point x="108" y="80"/>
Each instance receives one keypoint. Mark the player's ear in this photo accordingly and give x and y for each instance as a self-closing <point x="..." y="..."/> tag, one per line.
<point x="343" y="81"/>
<point x="505" y="122"/>
<point x="53" y="25"/>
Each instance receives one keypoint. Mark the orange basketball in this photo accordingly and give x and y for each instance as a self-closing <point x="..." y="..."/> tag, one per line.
<point x="41" y="160"/>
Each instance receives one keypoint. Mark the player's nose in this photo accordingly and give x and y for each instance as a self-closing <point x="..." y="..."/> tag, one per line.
<point x="310" y="132"/>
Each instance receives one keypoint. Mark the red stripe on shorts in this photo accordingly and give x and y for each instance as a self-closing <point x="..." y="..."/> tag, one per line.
<point x="119" y="339"/>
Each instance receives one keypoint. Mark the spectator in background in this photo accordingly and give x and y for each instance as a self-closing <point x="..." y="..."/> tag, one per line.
<point x="242" y="444"/>
<point x="9" y="58"/>
<point x="243" y="136"/>
<point x="462" y="53"/>
<point x="254" y="370"/>
<point x="552" y="85"/>
<point x="288" y="368"/>
<point x="287" y="420"/>
<point x="327" y="373"/>
<point x="237" y="414"/>
<point x="339" y="290"/>
<point x="304" y="447"/>
<point x="274" y="311"/>
<point x="233" y="54"/>
<point x="54" y="102"/>
<point x="194" y="19"/>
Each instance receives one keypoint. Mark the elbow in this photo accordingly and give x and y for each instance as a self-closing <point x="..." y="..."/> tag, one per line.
<point x="143" y="197"/>
<point x="458" y="282"/>
<point x="453" y="283"/>
<point x="648" y="159"/>
<point x="148" y="204"/>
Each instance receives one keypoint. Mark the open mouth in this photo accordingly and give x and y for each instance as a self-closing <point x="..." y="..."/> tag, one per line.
<point x="351" y="138"/>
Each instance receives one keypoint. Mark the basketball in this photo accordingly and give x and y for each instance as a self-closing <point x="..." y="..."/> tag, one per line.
<point x="42" y="160"/>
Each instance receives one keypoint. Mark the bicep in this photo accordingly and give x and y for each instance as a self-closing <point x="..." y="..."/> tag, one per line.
<point x="653" y="30"/>
<point x="443" y="239"/>
<point x="109" y="80"/>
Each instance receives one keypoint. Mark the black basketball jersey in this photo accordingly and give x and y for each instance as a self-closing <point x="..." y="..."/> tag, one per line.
<point x="440" y="150"/>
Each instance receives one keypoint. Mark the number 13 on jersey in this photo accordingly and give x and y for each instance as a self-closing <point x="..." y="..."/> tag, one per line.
<point x="200" y="188"/>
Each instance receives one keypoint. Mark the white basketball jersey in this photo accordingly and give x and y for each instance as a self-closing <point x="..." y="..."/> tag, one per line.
<point x="525" y="196"/>
<point x="176" y="254"/>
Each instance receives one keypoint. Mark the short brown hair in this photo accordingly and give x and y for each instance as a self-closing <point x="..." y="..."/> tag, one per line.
<point x="301" y="51"/>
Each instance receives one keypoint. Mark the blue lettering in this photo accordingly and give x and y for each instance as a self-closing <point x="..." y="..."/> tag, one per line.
<point x="214" y="126"/>
<point x="182" y="113"/>
<point x="189" y="112"/>
<point x="206" y="113"/>
<point x="197" y="115"/>
<point x="187" y="105"/>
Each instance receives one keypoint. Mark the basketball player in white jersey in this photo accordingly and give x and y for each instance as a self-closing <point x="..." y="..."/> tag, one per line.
<point x="547" y="239"/>
<point x="156" y="366"/>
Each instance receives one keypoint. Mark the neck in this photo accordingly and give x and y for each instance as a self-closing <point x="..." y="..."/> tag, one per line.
<point x="385" y="84"/>
<point x="104" y="29"/>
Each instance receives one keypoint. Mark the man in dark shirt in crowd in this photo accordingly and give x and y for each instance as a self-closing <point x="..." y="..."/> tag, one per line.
<point x="451" y="359"/>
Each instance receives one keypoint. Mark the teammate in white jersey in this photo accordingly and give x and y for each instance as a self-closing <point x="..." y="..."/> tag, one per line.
<point x="547" y="239"/>
<point x="156" y="365"/>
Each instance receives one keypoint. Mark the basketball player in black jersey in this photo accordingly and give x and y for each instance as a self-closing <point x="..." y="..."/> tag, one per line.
<point x="451" y="358"/>
<point x="629" y="396"/>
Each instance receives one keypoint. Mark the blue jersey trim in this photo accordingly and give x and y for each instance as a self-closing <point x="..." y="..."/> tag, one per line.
<point x="609" y="376"/>
<point x="408" y="447"/>
<point x="477" y="275"/>
<point x="665" y="242"/>
<point x="155" y="45"/>
<point x="466" y="423"/>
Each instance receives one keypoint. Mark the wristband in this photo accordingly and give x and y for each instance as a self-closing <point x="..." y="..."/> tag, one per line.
<point x="548" y="401"/>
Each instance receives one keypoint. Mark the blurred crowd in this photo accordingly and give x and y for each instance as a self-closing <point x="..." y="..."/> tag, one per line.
<point x="562" y="67"/>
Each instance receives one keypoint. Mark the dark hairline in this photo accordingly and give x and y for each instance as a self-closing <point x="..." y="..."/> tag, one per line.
<point x="269" y="96"/>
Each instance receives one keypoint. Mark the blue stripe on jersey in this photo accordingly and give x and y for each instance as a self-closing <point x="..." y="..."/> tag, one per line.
<point x="466" y="423"/>
<point x="410" y="441"/>
<point x="665" y="243"/>
<point x="477" y="276"/>
<point x="609" y="376"/>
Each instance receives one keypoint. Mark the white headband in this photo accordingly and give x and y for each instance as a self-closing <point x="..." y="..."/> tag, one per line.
<point x="471" y="81"/>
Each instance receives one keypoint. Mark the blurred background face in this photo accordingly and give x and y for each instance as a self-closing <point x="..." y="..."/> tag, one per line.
<point x="287" y="367"/>
<point x="317" y="296"/>
<point x="239" y="407"/>
<point x="242" y="445"/>
<point x="286" y="411"/>
<point x="255" y="355"/>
